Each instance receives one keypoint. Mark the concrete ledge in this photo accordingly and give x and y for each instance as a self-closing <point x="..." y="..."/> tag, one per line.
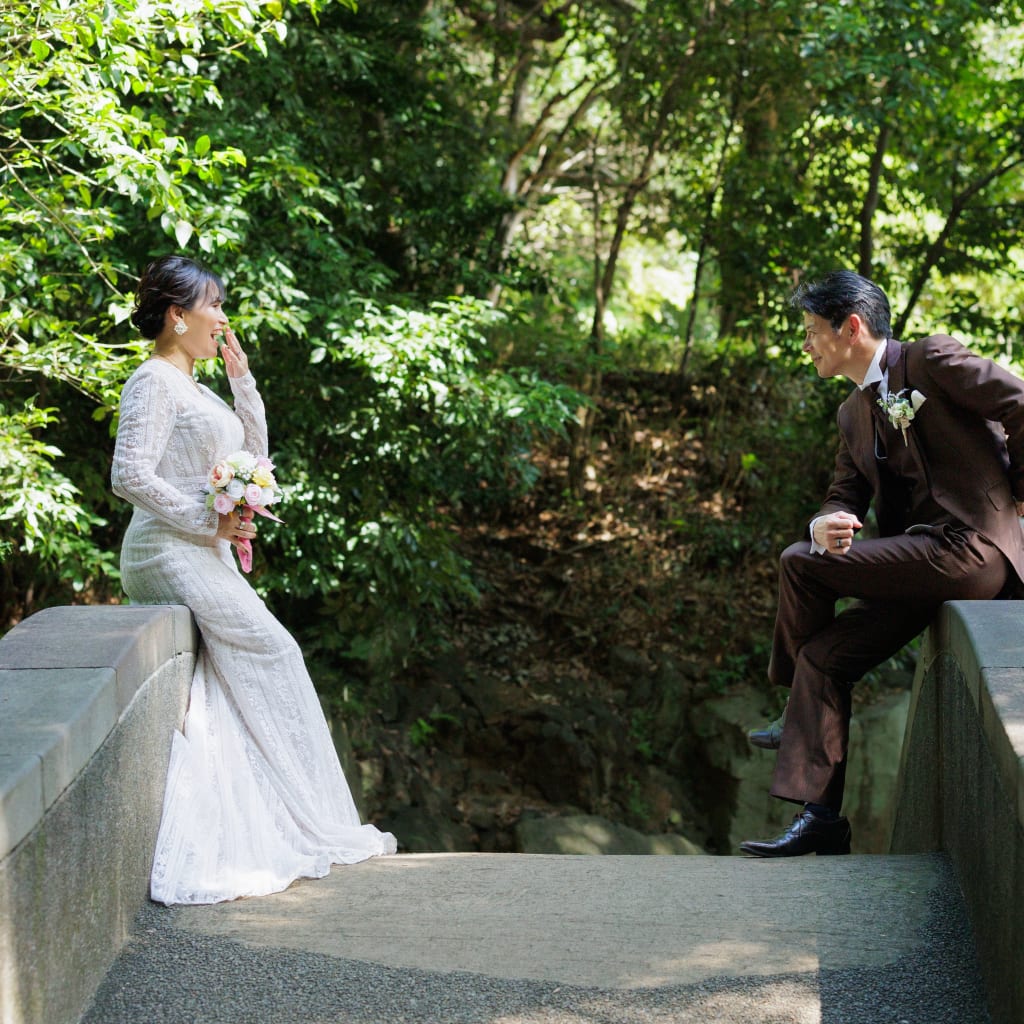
<point x="962" y="778"/>
<point x="89" y="697"/>
<point x="66" y="676"/>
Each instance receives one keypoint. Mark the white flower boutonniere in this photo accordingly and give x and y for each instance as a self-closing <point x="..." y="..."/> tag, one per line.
<point x="902" y="409"/>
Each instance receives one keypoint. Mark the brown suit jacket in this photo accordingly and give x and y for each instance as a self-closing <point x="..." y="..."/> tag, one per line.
<point x="967" y="439"/>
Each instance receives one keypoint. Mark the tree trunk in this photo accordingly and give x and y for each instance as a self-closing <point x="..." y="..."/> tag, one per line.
<point x="705" y="237"/>
<point x="870" y="204"/>
<point x="604" y="279"/>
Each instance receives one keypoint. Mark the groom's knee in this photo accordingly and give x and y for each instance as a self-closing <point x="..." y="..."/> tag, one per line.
<point x="795" y="555"/>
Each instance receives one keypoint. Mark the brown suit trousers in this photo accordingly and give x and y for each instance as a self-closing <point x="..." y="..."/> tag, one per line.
<point x="899" y="582"/>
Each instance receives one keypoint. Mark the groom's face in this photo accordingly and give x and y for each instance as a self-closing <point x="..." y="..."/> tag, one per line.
<point x="829" y="349"/>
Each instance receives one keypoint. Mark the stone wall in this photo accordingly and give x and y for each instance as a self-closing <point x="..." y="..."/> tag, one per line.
<point x="962" y="779"/>
<point x="88" y="700"/>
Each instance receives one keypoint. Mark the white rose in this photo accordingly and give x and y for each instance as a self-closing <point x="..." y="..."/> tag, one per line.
<point x="242" y="463"/>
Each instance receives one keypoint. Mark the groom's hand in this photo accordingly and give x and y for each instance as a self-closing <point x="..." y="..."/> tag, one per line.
<point x="834" y="532"/>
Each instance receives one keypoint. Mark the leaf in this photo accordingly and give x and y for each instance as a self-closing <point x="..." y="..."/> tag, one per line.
<point x="40" y="49"/>
<point x="183" y="232"/>
<point x="202" y="145"/>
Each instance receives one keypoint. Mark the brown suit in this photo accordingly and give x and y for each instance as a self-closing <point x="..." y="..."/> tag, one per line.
<point x="944" y="503"/>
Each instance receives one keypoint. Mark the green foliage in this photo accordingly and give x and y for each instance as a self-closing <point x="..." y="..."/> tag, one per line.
<point x="896" y="144"/>
<point x="408" y="426"/>
<point x="42" y="511"/>
<point x="86" y="159"/>
<point x="363" y="177"/>
<point x="756" y="419"/>
<point x="423" y="730"/>
<point x="800" y="137"/>
<point x="640" y="728"/>
<point x="88" y="170"/>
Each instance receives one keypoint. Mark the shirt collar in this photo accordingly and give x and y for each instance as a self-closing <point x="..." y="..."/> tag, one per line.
<point x="874" y="373"/>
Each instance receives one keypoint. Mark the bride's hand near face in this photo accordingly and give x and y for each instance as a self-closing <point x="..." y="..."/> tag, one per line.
<point x="236" y="362"/>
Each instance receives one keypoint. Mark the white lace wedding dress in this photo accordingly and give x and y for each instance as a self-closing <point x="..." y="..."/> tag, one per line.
<point x="255" y="794"/>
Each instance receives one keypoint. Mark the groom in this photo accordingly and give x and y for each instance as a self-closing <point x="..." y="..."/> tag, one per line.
<point x="934" y="437"/>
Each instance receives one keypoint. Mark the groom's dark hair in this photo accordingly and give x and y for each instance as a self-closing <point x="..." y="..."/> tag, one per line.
<point x="841" y="293"/>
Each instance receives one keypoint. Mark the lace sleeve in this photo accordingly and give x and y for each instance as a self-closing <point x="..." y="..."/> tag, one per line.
<point x="148" y="414"/>
<point x="249" y="409"/>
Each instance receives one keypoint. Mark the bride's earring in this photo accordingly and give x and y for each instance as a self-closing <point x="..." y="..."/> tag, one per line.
<point x="180" y="328"/>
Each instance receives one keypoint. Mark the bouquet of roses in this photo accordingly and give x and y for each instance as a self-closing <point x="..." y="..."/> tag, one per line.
<point x="247" y="480"/>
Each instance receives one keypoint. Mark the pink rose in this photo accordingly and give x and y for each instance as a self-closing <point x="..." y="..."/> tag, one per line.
<point x="223" y="504"/>
<point x="252" y="494"/>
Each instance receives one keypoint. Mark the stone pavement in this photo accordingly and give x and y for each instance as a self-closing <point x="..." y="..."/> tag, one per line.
<point x="518" y="939"/>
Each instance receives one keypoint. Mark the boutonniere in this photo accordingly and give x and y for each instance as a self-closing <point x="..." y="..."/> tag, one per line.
<point x="901" y="409"/>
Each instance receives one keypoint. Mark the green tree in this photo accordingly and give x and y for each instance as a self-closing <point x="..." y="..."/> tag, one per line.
<point x="387" y="416"/>
<point x="90" y="179"/>
<point x="896" y="152"/>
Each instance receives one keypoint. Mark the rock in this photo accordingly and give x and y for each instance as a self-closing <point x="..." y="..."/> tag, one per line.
<point x="876" y="738"/>
<point x="737" y="776"/>
<point x="673" y="683"/>
<point x="632" y="667"/>
<point x="568" y="755"/>
<point x="488" y="695"/>
<point x="419" y="831"/>
<point x="876" y="742"/>
<point x="553" y="760"/>
<point x="756" y="813"/>
<point x="371" y="776"/>
<point x="589" y="834"/>
<point x="352" y="768"/>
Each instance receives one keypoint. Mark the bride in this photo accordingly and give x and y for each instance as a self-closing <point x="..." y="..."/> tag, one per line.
<point x="255" y="796"/>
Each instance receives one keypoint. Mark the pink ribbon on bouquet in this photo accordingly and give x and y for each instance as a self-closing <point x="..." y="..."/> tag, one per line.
<point x="244" y="547"/>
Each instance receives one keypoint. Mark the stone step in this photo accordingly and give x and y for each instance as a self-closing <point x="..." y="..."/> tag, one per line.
<point x="509" y="938"/>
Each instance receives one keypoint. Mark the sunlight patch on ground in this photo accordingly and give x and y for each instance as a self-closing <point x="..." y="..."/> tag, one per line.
<point x="728" y="958"/>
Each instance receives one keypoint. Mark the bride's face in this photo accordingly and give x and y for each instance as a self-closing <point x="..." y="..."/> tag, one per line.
<point x="206" y="322"/>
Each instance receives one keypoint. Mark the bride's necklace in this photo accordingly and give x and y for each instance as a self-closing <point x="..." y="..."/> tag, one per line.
<point x="195" y="383"/>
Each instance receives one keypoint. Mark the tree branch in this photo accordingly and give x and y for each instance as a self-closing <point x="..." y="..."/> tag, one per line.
<point x="961" y="202"/>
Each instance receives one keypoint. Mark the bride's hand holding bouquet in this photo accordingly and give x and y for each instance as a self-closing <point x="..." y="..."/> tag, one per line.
<point x="239" y="483"/>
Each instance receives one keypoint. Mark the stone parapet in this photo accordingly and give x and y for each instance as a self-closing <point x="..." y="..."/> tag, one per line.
<point x="962" y="778"/>
<point x="88" y="700"/>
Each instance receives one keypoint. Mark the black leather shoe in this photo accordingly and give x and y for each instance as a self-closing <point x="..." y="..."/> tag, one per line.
<point x="807" y="834"/>
<point x="770" y="736"/>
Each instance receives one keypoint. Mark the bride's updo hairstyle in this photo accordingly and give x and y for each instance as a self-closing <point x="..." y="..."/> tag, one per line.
<point x="171" y="281"/>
